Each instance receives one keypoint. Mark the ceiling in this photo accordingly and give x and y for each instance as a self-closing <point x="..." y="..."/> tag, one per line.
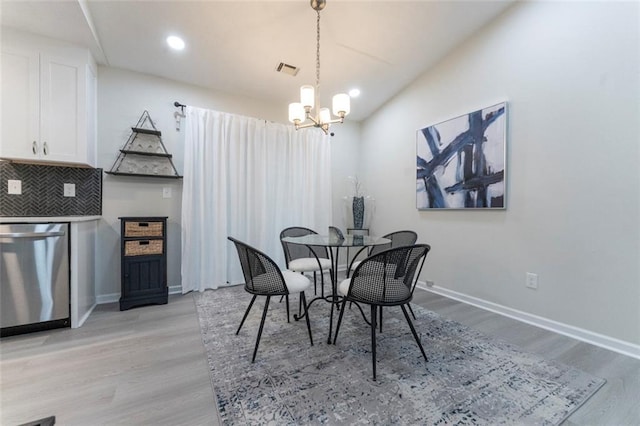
<point x="235" y="46"/>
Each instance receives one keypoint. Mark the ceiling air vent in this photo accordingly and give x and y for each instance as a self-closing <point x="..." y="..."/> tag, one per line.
<point x="287" y="69"/>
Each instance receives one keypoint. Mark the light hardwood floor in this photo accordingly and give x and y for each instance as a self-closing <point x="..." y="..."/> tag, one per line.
<point x="144" y="366"/>
<point x="147" y="366"/>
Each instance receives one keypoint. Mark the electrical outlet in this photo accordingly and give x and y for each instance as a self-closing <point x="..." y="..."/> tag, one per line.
<point x="69" y="189"/>
<point x="532" y="280"/>
<point x="166" y="192"/>
<point x="14" y="187"/>
<point x="429" y="283"/>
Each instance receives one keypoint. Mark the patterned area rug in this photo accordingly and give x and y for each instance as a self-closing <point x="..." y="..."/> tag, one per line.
<point x="469" y="379"/>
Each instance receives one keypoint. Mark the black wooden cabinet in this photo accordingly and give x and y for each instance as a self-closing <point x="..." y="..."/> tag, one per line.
<point x="143" y="261"/>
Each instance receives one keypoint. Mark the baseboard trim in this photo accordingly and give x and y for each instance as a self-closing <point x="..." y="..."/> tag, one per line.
<point x="606" y="342"/>
<point x="115" y="297"/>
<point x="102" y="299"/>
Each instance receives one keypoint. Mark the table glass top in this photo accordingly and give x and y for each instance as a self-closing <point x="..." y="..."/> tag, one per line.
<point x="330" y="241"/>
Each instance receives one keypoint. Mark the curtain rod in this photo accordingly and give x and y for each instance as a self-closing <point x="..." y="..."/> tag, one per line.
<point x="179" y="105"/>
<point x="182" y="107"/>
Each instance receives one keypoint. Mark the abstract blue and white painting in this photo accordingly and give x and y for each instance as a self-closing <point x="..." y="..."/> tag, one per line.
<point x="461" y="161"/>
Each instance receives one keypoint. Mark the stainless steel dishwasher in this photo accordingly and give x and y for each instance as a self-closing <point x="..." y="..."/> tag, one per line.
<point x="34" y="277"/>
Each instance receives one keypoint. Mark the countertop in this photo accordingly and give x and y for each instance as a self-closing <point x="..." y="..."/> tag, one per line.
<point x="45" y="219"/>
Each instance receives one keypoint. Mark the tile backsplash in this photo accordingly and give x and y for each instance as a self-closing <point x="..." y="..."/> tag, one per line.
<point x="43" y="190"/>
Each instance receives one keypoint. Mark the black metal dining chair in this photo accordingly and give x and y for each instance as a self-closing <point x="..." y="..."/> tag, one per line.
<point x="382" y="280"/>
<point x="263" y="277"/>
<point x="303" y="259"/>
<point x="398" y="239"/>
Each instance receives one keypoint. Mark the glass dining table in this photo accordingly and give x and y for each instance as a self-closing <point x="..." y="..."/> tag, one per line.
<point x="334" y="244"/>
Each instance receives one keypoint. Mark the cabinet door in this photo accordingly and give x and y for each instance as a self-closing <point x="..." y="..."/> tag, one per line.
<point x="91" y="117"/>
<point x="62" y="109"/>
<point x="143" y="276"/>
<point x="20" y="85"/>
<point x="45" y="97"/>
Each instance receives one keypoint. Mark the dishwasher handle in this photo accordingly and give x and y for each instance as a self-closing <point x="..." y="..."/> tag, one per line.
<point x="31" y="234"/>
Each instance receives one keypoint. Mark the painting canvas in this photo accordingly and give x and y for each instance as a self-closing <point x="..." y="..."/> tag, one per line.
<point x="461" y="161"/>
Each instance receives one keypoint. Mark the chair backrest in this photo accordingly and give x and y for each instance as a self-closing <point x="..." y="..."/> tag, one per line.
<point x="297" y="251"/>
<point x="261" y="274"/>
<point x="398" y="239"/>
<point x="387" y="278"/>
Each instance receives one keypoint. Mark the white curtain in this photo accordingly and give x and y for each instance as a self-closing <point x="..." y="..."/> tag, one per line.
<point x="249" y="179"/>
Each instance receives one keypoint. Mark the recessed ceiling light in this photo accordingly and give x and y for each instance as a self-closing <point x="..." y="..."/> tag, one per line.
<point x="354" y="93"/>
<point x="175" y="42"/>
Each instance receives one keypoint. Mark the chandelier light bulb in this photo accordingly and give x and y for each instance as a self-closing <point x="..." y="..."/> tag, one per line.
<point x="296" y="112"/>
<point x="325" y="115"/>
<point x="341" y="105"/>
<point x="307" y="96"/>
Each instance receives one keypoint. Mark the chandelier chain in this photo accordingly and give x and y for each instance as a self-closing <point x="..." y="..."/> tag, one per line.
<point x="317" y="55"/>
<point x="307" y="112"/>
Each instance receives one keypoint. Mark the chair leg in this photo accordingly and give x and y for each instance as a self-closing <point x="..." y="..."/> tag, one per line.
<point x="303" y="299"/>
<point x="412" y="314"/>
<point x="264" y="316"/>
<point x="287" y="297"/>
<point x="413" y="330"/>
<point x="374" y="312"/>
<point x="344" y="302"/>
<point x="338" y="306"/>
<point x="253" y="299"/>
<point x="300" y="304"/>
<point x="315" y="284"/>
<point x="380" y="319"/>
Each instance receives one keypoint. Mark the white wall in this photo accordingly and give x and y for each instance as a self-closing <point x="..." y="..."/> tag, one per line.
<point x="345" y="153"/>
<point x="122" y="98"/>
<point x="570" y="74"/>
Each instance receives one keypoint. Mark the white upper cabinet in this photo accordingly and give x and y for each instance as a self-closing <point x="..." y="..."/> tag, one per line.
<point x="48" y="101"/>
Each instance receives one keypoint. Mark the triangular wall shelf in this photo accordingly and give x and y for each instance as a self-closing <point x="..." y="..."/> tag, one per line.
<point x="144" y="153"/>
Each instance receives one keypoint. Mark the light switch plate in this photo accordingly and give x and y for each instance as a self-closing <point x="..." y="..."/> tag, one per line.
<point x="69" y="189"/>
<point x="532" y="280"/>
<point x="166" y="192"/>
<point x="14" y="187"/>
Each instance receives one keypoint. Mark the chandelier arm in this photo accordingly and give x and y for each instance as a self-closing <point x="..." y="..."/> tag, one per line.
<point x="314" y="121"/>
<point x="335" y="120"/>
<point x="324" y="127"/>
<point x="304" y="126"/>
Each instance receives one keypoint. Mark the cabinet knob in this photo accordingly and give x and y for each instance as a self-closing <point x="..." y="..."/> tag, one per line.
<point x="34" y="147"/>
<point x="45" y="148"/>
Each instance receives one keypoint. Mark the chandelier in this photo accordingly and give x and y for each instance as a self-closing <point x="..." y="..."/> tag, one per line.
<point x="300" y="112"/>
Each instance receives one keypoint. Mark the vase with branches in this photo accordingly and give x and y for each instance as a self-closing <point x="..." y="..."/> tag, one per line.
<point x="359" y="204"/>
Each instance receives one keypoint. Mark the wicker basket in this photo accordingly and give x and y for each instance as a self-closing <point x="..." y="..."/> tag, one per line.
<point x="142" y="247"/>
<point x="143" y="229"/>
